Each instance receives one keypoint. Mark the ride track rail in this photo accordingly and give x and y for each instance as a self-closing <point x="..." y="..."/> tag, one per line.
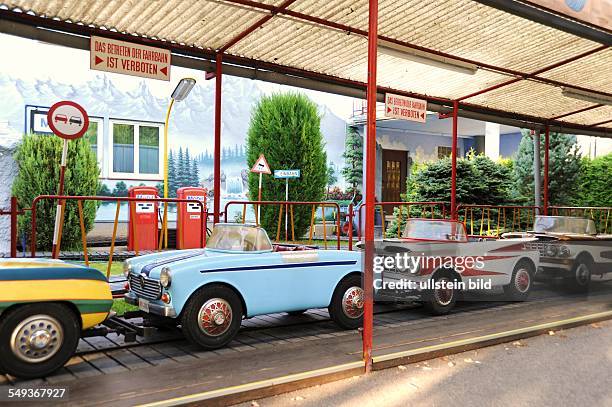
<point x="317" y="317"/>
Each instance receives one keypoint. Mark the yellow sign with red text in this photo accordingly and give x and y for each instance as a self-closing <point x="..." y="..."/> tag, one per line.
<point x="130" y="59"/>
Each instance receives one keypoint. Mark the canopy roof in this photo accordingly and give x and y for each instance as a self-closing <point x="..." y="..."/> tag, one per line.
<point x="521" y="66"/>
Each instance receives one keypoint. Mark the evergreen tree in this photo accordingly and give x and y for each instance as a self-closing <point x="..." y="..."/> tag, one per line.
<point x="37" y="159"/>
<point x="353" y="159"/>
<point x="171" y="176"/>
<point x="596" y="182"/>
<point x="564" y="171"/>
<point x="180" y="168"/>
<point x="195" y="174"/>
<point x="287" y="129"/>
<point x="186" y="180"/>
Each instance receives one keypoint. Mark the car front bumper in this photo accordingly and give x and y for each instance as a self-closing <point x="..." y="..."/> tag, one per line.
<point x="151" y="307"/>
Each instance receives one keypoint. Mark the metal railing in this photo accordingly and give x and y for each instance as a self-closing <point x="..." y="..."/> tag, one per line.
<point x="118" y="200"/>
<point x="288" y="208"/>
<point x="493" y="220"/>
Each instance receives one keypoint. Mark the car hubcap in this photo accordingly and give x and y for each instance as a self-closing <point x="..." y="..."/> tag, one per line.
<point x="443" y="296"/>
<point x="215" y="317"/>
<point x="37" y="338"/>
<point x="352" y="302"/>
<point x="583" y="274"/>
<point x="522" y="280"/>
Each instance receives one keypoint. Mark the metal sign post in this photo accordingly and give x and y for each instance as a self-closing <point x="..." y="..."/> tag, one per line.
<point x="286" y="174"/>
<point x="260" y="167"/>
<point x="68" y="121"/>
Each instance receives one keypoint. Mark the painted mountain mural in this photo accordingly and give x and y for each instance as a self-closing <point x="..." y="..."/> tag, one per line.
<point x="192" y="121"/>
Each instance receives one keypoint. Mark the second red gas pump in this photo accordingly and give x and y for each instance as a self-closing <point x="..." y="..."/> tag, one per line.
<point x="190" y="224"/>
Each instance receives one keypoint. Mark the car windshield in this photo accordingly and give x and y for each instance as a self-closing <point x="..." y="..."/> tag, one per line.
<point x="242" y="238"/>
<point x="442" y="230"/>
<point x="564" y="224"/>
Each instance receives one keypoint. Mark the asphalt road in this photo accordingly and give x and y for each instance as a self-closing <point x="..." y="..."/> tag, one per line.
<point x="565" y="368"/>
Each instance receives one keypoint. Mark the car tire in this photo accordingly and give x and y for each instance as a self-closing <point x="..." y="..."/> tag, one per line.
<point x="39" y="351"/>
<point x="442" y="301"/>
<point x="212" y="317"/>
<point x="346" y="307"/>
<point x="580" y="280"/>
<point x="521" y="282"/>
<point x="296" y="313"/>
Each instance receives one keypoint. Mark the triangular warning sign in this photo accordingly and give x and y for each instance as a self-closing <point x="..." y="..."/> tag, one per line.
<point x="261" y="166"/>
<point x="164" y="70"/>
<point x="98" y="60"/>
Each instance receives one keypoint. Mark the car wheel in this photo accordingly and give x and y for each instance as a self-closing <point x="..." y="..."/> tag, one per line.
<point x="346" y="308"/>
<point x="296" y="313"/>
<point x="212" y="317"/>
<point x="581" y="275"/>
<point x="442" y="300"/>
<point x="521" y="282"/>
<point x="37" y="339"/>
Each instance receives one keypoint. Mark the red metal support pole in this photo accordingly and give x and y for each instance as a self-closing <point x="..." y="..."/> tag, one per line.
<point x="217" y="157"/>
<point x="546" y="168"/>
<point x="368" y="275"/>
<point x="454" y="162"/>
<point x="14" y="210"/>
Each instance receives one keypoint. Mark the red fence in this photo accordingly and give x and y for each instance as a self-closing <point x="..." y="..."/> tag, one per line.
<point x="493" y="220"/>
<point x="288" y="206"/>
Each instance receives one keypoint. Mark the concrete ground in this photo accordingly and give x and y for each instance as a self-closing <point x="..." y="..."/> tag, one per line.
<point x="564" y="368"/>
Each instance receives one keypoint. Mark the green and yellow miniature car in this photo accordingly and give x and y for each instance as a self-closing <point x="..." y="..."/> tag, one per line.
<point x="44" y="307"/>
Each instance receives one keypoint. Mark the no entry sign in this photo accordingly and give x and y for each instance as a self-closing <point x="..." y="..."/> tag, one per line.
<point x="67" y="120"/>
<point x="129" y="59"/>
<point x="402" y="107"/>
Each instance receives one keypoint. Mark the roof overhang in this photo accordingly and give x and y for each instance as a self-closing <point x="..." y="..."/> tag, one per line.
<point x="523" y="67"/>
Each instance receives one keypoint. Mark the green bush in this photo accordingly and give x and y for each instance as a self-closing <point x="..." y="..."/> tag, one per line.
<point x="479" y="181"/>
<point x="286" y="129"/>
<point x="38" y="159"/>
<point x="564" y="162"/>
<point x="595" y="182"/>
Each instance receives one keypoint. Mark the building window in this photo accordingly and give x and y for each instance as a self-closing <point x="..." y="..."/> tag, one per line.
<point x="135" y="150"/>
<point x="94" y="135"/>
<point x="444" y="151"/>
<point x="149" y="149"/>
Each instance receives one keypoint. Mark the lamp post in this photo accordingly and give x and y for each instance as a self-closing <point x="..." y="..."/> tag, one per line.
<point x="180" y="93"/>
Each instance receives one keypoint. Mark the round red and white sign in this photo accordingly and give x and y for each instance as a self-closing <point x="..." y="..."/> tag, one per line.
<point x="68" y="120"/>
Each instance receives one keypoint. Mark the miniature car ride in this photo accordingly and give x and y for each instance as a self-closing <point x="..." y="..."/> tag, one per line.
<point x="570" y="250"/>
<point x="240" y="274"/>
<point x="444" y="263"/>
<point x="44" y="306"/>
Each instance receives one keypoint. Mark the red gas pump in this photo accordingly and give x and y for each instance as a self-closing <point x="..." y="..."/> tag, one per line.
<point x="142" y="219"/>
<point x="189" y="222"/>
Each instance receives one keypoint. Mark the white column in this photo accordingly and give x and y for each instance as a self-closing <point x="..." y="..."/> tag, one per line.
<point x="492" y="140"/>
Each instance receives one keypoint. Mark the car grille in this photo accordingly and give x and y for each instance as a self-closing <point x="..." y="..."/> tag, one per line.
<point x="145" y="287"/>
<point x="539" y="246"/>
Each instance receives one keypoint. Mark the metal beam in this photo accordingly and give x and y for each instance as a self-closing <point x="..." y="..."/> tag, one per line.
<point x="546" y="167"/>
<point x="370" y="187"/>
<point x="562" y="23"/>
<point x="352" y="30"/>
<point x="217" y="150"/>
<point x="535" y="73"/>
<point x="194" y="58"/>
<point x="454" y="160"/>
<point x="576" y="112"/>
<point x="256" y="25"/>
<point x="600" y="123"/>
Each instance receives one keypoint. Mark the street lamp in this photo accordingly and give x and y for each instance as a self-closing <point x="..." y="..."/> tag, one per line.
<point x="180" y="93"/>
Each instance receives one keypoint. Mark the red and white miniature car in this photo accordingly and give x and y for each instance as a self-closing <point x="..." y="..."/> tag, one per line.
<point x="434" y="261"/>
<point x="570" y="250"/>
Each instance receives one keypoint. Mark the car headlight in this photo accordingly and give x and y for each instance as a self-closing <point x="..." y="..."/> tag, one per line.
<point x="551" y="250"/>
<point x="564" y="251"/>
<point x="127" y="268"/>
<point x="165" y="277"/>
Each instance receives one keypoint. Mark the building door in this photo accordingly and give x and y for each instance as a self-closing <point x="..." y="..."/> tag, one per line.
<point x="394" y="171"/>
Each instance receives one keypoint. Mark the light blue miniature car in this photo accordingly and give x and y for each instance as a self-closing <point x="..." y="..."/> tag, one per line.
<point x="242" y="274"/>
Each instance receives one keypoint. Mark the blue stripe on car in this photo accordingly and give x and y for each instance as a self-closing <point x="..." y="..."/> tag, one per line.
<point x="284" y="266"/>
<point x="147" y="269"/>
